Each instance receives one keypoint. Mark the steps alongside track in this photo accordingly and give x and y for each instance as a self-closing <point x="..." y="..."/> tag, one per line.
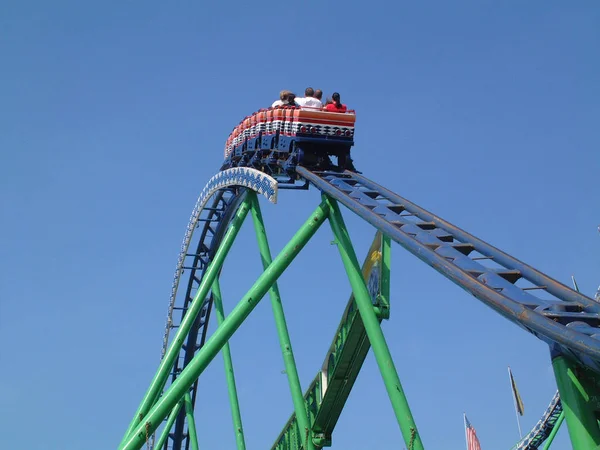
<point x="565" y="319"/>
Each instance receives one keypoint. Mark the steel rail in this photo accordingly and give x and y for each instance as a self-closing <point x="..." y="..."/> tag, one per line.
<point x="535" y="276"/>
<point x="569" y="339"/>
<point x="226" y="190"/>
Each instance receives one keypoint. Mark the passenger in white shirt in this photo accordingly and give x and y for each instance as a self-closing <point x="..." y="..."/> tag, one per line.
<point x="284" y="99"/>
<point x="309" y="100"/>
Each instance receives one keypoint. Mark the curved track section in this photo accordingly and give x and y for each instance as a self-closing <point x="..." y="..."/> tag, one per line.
<point x="565" y="319"/>
<point x="540" y="432"/>
<point x="240" y="177"/>
<point x="224" y="193"/>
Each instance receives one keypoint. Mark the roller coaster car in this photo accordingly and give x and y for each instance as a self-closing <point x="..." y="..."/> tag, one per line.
<point x="287" y="136"/>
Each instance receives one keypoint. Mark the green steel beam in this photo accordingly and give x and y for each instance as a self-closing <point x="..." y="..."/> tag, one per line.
<point x="189" y="414"/>
<point x="350" y="346"/>
<point x="578" y="393"/>
<point x="223" y="333"/>
<point x="552" y="435"/>
<point x="166" y="364"/>
<point x="170" y="421"/>
<point x="380" y="349"/>
<point x="282" y="329"/>
<point x="350" y="351"/>
<point x="386" y="257"/>
<point x="291" y="438"/>
<point x="231" y="387"/>
<point x="329" y="390"/>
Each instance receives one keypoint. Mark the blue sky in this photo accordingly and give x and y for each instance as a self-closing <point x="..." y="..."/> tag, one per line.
<point x="114" y="115"/>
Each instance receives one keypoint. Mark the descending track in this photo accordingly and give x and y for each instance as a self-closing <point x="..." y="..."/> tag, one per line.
<point x="224" y="193"/>
<point x="567" y="320"/>
<point x="542" y="429"/>
<point x="563" y="318"/>
<point x="218" y="216"/>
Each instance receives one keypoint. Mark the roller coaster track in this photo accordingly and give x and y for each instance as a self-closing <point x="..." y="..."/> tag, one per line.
<point x="567" y="320"/>
<point x="224" y="204"/>
<point x="225" y="193"/>
<point x="563" y="318"/>
<point x="542" y="429"/>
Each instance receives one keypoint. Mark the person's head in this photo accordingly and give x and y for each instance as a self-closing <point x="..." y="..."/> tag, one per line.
<point x="283" y="95"/>
<point x="291" y="98"/>
<point x="336" y="99"/>
<point x="318" y="94"/>
<point x="309" y="92"/>
<point x="328" y="101"/>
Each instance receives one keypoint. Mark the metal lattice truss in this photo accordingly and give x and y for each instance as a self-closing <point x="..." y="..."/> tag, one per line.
<point x="566" y="320"/>
<point x="256" y="180"/>
<point x="542" y="429"/>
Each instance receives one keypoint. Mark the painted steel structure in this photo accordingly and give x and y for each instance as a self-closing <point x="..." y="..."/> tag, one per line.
<point x="562" y="317"/>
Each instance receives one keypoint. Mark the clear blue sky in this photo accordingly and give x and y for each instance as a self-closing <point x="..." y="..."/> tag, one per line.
<point x="113" y="117"/>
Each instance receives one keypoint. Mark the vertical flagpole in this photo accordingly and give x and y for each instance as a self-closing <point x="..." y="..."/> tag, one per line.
<point x="515" y="403"/>
<point x="574" y="283"/>
<point x="466" y="436"/>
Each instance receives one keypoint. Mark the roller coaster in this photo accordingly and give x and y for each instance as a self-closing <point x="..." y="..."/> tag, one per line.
<point x="255" y="167"/>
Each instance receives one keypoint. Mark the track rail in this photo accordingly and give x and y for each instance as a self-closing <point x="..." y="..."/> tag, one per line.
<point x="224" y="193"/>
<point x="565" y="319"/>
<point x="542" y="429"/>
<point x="219" y="215"/>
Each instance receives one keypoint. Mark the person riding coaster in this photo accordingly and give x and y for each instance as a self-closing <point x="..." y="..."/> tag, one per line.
<point x="287" y="134"/>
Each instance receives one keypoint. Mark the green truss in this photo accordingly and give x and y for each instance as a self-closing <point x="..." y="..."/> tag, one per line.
<point x="317" y="411"/>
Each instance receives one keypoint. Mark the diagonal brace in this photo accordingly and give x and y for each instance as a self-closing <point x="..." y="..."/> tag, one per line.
<point x="223" y="333"/>
<point x="231" y="387"/>
<point x="282" y="331"/>
<point x="373" y="329"/>
<point x="160" y="378"/>
<point x="170" y="421"/>
<point x="189" y="413"/>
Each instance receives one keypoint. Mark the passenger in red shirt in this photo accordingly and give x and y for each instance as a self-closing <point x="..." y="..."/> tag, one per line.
<point x="336" y="106"/>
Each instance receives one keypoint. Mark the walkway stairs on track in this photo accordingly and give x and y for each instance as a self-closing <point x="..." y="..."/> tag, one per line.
<point x="565" y="319"/>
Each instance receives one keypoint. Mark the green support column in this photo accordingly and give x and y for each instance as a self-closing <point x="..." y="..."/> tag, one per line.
<point x="557" y="425"/>
<point x="575" y="398"/>
<point x="282" y="331"/>
<point x="189" y="413"/>
<point x="222" y="334"/>
<point x="373" y="330"/>
<point x="160" y="378"/>
<point x="386" y="256"/>
<point x="231" y="387"/>
<point x="170" y="421"/>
